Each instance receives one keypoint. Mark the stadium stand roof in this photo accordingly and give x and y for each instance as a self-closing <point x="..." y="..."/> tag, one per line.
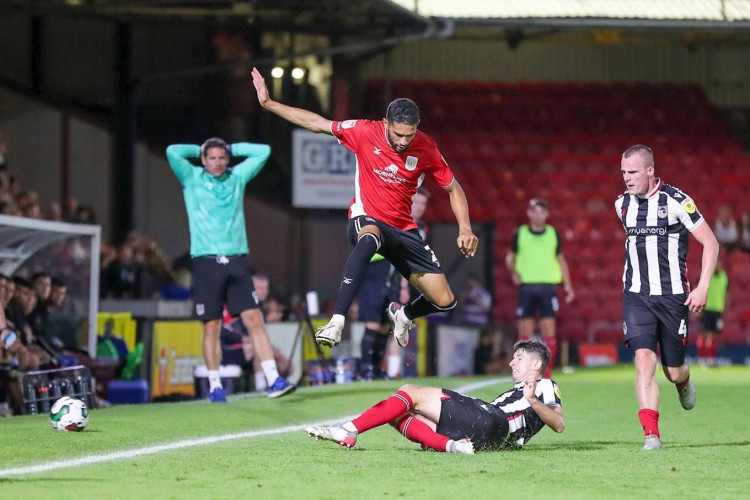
<point x="680" y="13"/>
<point x="361" y="18"/>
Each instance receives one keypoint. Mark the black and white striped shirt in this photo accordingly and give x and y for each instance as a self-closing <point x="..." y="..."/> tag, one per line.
<point x="658" y="227"/>
<point x="523" y="421"/>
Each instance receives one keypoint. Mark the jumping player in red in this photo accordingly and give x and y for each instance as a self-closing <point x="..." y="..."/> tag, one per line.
<point x="393" y="157"/>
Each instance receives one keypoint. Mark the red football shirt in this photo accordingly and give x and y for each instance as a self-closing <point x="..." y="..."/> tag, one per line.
<point x="386" y="181"/>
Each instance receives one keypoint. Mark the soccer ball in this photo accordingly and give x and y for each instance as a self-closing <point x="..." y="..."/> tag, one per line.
<point x="69" y="414"/>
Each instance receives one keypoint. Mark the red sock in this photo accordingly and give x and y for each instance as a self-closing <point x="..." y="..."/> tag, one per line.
<point x="386" y="411"/>
<point x="649" y="421"/>
<point x="419" y="432"/>
<point x="710" y="348"/>
<point x="701" y="345"/>
<point x="551" y="343"/>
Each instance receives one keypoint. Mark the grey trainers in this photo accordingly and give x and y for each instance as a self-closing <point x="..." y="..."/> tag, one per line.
<point x="329" y="335"/>
<point x="652" y="443"/>
<point x="335" y="433"/>
<point x="686" y="394"/>
<point x="401" y="324"/>
<point x="464" y="446"/>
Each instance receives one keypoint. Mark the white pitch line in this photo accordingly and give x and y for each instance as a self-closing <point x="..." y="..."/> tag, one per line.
<point x="95" y="459"/>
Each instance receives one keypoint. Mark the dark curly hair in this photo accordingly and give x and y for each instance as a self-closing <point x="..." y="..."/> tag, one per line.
<point x="404" y="111"/>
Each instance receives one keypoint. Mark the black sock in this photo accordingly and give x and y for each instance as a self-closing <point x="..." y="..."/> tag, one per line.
<point x="354" y="270"/>
<point x="378" y="352"/>
<point x="367" y="346"/>
<point x="422" y="307"/>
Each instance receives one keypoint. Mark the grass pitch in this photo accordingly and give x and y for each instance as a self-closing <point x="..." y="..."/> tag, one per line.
<point x="254" y="447"/>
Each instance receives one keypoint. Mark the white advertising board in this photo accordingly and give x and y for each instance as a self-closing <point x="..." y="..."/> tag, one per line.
<point x="322" y="171"/>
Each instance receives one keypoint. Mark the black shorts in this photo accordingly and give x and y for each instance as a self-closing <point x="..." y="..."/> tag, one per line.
<point x="657" y="320"/>
<point x="406" y="250"/>
<point x="537" y="297"/>
<point x="219" y="280"/>
<point x="380" y="286"/>
<point x="466" y="417"/>
<point x="712" y="320"/>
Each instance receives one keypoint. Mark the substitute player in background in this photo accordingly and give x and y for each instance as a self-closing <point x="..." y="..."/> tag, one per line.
<point x="658" y="219"/>
<point x="537" y="265"/>
<point x="394" y="354"/>
<point x="712" y="320"/>
<point x="214" y="199"/>
<point x="381" y="285"/>
<point x="444" y="420"/>
<point x="393" y="157"/>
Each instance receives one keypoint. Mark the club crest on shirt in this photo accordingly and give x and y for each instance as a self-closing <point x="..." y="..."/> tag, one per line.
<point x="376" y="150"/>
<point x="411" y="163"/>
<point x="689" y="206"/>
<point x="662" y="212"/>
<point x="200" y="309"/>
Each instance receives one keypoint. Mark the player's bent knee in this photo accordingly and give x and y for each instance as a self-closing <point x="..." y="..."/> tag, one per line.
<point x="366" y="238"/>
<point x="451" y="305"/>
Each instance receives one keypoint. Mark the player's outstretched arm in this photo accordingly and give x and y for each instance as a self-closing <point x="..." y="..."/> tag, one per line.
<point x="300" y="117"/>
<point x="552" y="416"/>
<point x="696" y="300"/>
<point x="467" y="241"/>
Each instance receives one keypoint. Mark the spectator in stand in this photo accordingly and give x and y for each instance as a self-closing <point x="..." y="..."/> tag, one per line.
<point x="7" y="290"/>
<point x="12" y="353"/>
<point x="7" y="204"/>
<point x="57" y="295"/>
<point x="41" y="284"/>
<point x="119" y="277"/>
<point x="712" y="321"/>
<point x="476" y="302"/>
<point x="85" y="215"/>
<point x="537" y="265"/>
<point x="489" y="356"/>
<point x="3" y="152"/>
<point x="21" y="303"/>
<point x="70" y="209"/>
<point x="28" y="205"/>
<point x="18" y="310"/>
<point x="54" y="211"/>
<point x="61" y="329"/>
<point x="726" y="231"/>
<point x="744" y="242"/>
<point x="236" y="340"/>
<point x="274" y="310"/>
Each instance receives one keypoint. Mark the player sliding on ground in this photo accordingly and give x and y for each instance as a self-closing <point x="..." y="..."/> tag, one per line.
<point x="444" y="420"/>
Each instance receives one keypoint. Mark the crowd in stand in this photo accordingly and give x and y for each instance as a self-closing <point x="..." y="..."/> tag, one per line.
<point x="732" y="234"/>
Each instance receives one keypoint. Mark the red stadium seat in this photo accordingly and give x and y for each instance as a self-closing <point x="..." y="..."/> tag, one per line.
<point x="517" y="140"/>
